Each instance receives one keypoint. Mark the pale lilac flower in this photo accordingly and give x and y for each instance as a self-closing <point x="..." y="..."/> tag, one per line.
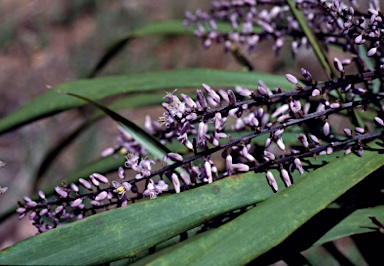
<point x="176" y="182"/>
<point x="379" y="121"/>
<point x="161" y="186"/>
<point x="292" y="79"/>
<point x="298" y="165"/>
<point x="62" y="193"/>
<point x="240" y="167"/>
<point x="208" y="171"/>
<point x="102" y="195"/>
<point x="372" y="51"/>
<point x="326" y="129"/>
<point x="271" y="181"/>
<point x="286" y="178"/>
<point x="74" y="203"/>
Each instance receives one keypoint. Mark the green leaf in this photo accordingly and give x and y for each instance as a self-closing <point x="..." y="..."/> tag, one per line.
<point x="142" y="225"/>
<point x="123" y="232"/>
<point x="166" y="28"/>
<point x="264" y="227"/>
<point x="357" y="222"/>
<point x="50" y="102"/>
<point x="146" y="140"/>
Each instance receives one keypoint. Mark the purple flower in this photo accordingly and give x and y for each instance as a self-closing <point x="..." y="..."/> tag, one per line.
<point x="271" y="181"/>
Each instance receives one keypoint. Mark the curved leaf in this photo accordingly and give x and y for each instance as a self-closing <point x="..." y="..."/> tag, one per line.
<point x="167" y="27"/>
<point x="123" y="228"/>
<point x="50" y="102"/>
<point x="137" y="227"/>
<point x="264" y="227"/>
<point x="357" y="222"/>
<point x="146" y="140"/>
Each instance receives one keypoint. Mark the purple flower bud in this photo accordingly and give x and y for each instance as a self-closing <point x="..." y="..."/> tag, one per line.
<point x="107" y="152"/>
<point x="211" y="93"/>
<point x="359" y="130"/>
<point x="188" y="100"/>
<point x="101" y="178"/>
<point x="32" y="204"/>
<point x="379" y="121"/>
<point x="326" y="129"/>
<point x="315" y="139"/>
<point x="334" y="105"/>
<point x="359" y="39"/>
<point x="240" y="167"/>
<point x="74" y="188"/>
<point x="338" y="65"/>
<point x="27" y="199"/>
<point x="185" y="179"/>
<point x="267" y="142"/>
<point x="280" y="144"/>
<point x="62" y="193"/>
<point x="348" y="151"/>
<point x="292" y="79"/>
<point x="176" y="182"/>
<point x="231" y="97"/>
<point x="41" y="194"/>
<point x="95" y="203"/>
<point x="360" y="152"/>
<point x="201" y="99"/>
<point x="101" y="196"/>
<point x="32" y="216"/>
<point x="346" y="88"/>
<point x="347" y="132"/>
<point x="271" y="181"/>
<point x="20" y="210"/>
<point x="279" y="132"/>
<point x="269" y="156"/>
<point x="59" y="209"/>
<point x="359" y="91"/>
<point x="175" y="157"/>
<point x="280" y="110"/>
<point x="295" y="106"/>
<point x="329" y="150"/>
<point x="76" y="202"/>
<point x="262" y="91"/>
<point x="85" y="183"/>
<point x="285" y="177"/>
<point x="306" y="74"/>
<point x="208" y="171"/>
<point x="283" y="118"/>
<point x="315" y="92"/>
<point x="372" y="51"/>
<point x="303" y="139"/>
<point x="43" y="212"/>
<point x="94" y="181"/>
<point x="298" y="165"/>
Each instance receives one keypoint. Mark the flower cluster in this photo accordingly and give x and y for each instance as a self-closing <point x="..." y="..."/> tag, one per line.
<point x="253" y="21"/>
<point x="227" y="122"/>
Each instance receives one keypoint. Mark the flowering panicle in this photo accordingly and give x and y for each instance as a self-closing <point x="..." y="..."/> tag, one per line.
<point x="338" y="22"/>
<point x="229" y="121"/>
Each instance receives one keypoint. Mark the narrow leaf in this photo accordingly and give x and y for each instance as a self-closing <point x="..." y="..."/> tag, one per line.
<point x="267" y="225"/>
<point x="148" y="142"/>
<point x="50" y="103"/>
<point x="166" y="28"/>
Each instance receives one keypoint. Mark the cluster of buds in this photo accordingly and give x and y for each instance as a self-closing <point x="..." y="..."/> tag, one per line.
<point x="206" y="123"/>
<point x="253" y="21"/>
